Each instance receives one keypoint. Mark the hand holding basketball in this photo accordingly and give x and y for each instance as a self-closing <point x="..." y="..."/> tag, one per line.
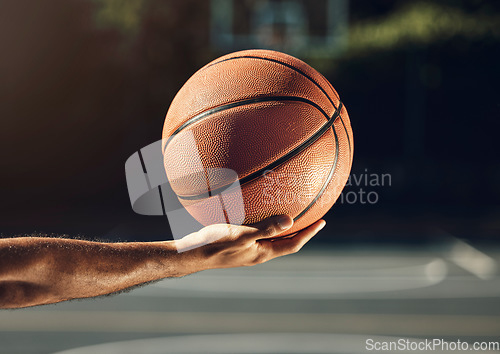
<point x="228" y="246"/>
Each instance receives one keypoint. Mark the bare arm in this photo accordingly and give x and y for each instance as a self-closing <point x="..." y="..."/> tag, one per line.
<point x="36" y="271"/>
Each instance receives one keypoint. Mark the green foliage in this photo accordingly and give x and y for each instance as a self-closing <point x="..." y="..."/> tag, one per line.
<point x="421" y="23"/>
<point x="124" y="15"/>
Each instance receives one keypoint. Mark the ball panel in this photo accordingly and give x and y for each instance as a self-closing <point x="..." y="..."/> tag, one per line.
<point x="336" y="184"/>
<point x="288" y="189"/>
<point x="289" y="60"/>
<point x="245" y="78"/>
<point x="347" y="129"/>
<point x="245" y="139"/>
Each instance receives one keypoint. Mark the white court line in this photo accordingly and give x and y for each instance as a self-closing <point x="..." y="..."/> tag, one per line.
<point x="472" y="260"/>
<point x="258" y="343"/>
<point x="301" y="284"/>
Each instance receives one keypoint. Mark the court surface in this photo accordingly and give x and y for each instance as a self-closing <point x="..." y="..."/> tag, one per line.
<point x="329" y="300"/>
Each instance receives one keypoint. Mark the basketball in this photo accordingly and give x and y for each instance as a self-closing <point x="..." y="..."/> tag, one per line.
<point x="264" y="121"/>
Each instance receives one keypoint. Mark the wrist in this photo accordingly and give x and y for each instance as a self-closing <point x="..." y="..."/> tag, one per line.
<point x="179" y="263"/>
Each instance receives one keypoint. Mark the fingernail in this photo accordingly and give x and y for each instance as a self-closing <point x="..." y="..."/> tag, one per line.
<point x="285" y="222"/>
<point x="322" y="226"/>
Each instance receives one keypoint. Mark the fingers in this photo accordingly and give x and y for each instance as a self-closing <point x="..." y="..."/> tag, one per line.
<point x="270" y="227"/>
<point x="285" y="246"/>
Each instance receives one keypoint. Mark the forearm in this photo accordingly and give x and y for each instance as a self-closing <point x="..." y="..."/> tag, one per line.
<point x="36" y="270"/>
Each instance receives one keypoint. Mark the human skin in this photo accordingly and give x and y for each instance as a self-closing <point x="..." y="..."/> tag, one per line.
<point x="39" y="270"/>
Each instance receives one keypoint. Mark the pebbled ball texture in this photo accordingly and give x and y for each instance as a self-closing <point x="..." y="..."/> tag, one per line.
<point x="242" y="113"/>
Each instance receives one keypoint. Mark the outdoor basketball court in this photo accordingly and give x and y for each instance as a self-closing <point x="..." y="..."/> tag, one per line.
<point x="337" y="298"/>
<point x="317" y="301"/>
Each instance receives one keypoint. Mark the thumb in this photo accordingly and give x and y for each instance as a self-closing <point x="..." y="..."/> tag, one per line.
<point x="272" y="226"/>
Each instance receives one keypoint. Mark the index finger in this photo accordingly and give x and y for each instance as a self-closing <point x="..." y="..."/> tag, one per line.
<point x="270" y="227"/>
<point x="284" y="246"/>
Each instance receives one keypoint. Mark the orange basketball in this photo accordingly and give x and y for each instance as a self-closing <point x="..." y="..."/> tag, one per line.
<point x="266" y="122"/>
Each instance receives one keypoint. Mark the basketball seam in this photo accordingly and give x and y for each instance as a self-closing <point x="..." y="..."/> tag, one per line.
<point x="294" y="152"/>
<point x="240" y="103"/>
<point x="327" y="181"/>
<point x="303" y="74"/>
<point x="285" y="64"/>
<point x="343" y="124"/>
<point x="331" y="120"/>
<point x="332" y="172"/>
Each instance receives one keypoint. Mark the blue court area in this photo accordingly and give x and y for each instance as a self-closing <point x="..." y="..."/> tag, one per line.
<point x="330" y="300"/>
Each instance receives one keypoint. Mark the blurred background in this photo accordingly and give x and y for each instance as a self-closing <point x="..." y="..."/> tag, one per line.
<point x="85" y="84"/>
